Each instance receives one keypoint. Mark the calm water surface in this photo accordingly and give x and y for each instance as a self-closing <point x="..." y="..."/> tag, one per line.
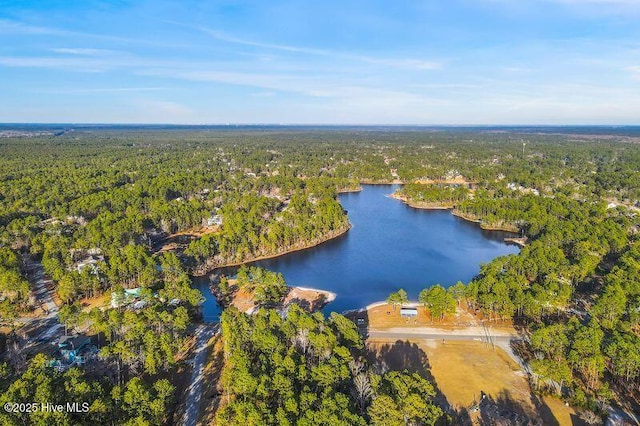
<point x="390" y="246"/>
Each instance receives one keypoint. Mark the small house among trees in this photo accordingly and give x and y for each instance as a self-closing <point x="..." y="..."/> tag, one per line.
<point x="73" y="347"/>
<point x="408" y="312"/>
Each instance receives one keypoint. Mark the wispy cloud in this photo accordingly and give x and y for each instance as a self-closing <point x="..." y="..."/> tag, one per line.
<point x="13" y="27"/>
<point x="169" y="111"/>
<point x="415" y="64"/>
<point x="104" y="90"/>
<point x="87" y="62"/>
<point x="462" y="61"/>
<point x="607" y="2"/>
<point x="219" y="35"/>
<point x="307" y="85"/>
<point x="264" y="94"/>
<point x="635" y="71"/>
<point x="602" y="8"/>
<point x="8" y="26"/>
<point x="403" y="63"/>
<point x="577" y="3"/>
<point x="75" y="64"/>
<point x="447" y="86"/>
<point x="324" y="88"/>
<point x="83" y="51"/>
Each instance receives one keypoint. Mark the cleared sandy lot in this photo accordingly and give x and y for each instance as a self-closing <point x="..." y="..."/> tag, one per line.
<point x="384" y="316"/>
<point x="464" y="371"/>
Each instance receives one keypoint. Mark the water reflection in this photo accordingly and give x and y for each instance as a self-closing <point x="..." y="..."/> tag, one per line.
<point x="391" y="245"/>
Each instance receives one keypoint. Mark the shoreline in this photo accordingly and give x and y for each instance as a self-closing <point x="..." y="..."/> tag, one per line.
<point x="311" y="299"/>
<point x="331" y="236"/>
<point x="519" y="241"/>
<point x="415" y="205"/>
<point x="204" y="271"/>
<point x="522" y="242"/>
<point x="329" y="295"/>
<point x="504" y="228"/>
<point x="349" y="190"/>
<point x="383" y="182"/>
<point x="465" y="217"/>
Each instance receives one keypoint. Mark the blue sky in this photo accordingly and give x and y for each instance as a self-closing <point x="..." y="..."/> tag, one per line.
<point x="338" y="62"/>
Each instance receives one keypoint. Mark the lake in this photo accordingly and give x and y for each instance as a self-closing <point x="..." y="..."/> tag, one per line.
<point x="390" y="246"/>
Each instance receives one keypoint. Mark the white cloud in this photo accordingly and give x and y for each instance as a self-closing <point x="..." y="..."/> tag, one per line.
<point x="76" y="64"/>
<point x="82" y="51"/>
<point x="318" y="86"/>
<point x="635" y="71"/>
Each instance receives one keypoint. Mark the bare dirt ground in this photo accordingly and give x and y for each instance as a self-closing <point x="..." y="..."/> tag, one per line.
<point x="180" y="240"/>
<point x="96" y="302"/>
<point x="422" y="204"/>
<point x="243" y="300"/>
<point x="384" y="316"/>
<point x="479" y="383"/>
<point x="465" y="369"/>
<point x="308" y="298"/>
<point x="458" y="180"/>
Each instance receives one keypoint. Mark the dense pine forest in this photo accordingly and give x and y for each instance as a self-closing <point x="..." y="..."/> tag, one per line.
<point x="307" y="370"/>
<point x="108" y="211"/>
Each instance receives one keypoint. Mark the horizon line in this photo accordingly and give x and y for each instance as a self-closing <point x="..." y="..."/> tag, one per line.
<point x="319" y="124"/>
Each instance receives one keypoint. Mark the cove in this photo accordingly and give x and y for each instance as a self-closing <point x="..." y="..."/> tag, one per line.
<point x="390" y="246"/>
